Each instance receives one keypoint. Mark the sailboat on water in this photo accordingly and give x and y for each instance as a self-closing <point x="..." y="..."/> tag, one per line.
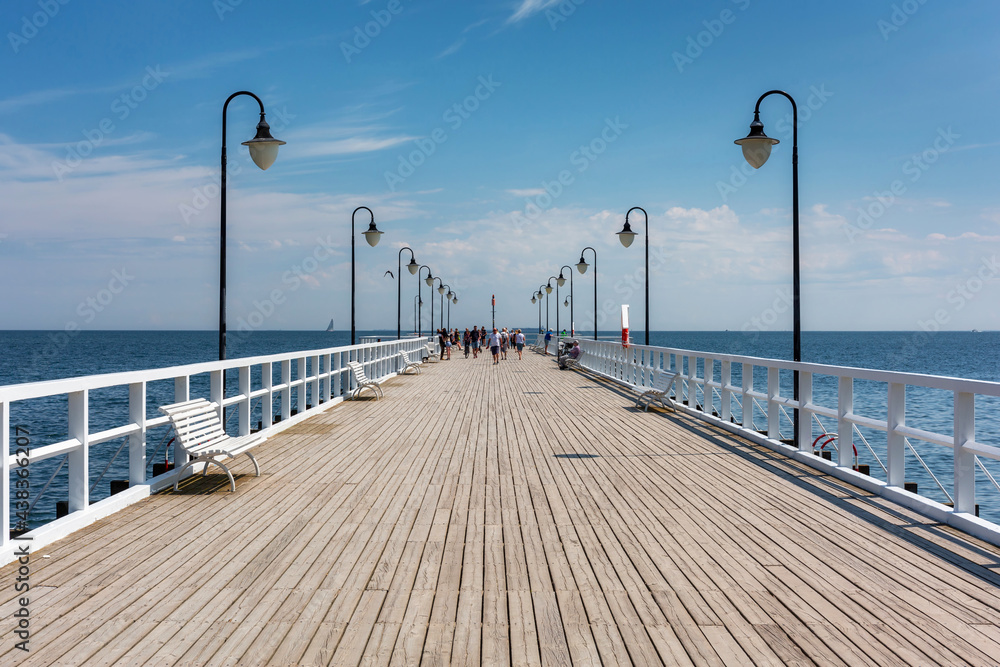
<point x="329" y="327"/>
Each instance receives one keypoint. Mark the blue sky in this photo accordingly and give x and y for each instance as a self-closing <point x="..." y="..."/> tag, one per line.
<point x="456" y="121"/>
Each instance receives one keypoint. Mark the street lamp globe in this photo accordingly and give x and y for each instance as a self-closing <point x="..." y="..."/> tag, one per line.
<point x="582" y="266"/>
<point x="413" y="266"/>
<point x="626" y="235"/>
<point x="561" y="279"/>
<point x="548" y="289"/>
<point x="441" y="289"/>
<point x="372" y="235"/>
<point x="533" y="299"/>
<point x="429" y="279"/>
<point x="756" y="145"/>
<point x="263" y="147"/>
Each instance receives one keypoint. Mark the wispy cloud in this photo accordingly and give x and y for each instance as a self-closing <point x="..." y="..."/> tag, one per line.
<point x="451" y="49"/>
<point x="529" y="8"/>
<point x="527" y="192"/>
<point x="348" y="146"/>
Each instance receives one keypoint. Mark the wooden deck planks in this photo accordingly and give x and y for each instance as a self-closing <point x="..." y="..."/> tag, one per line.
<point x="447" y="525"/>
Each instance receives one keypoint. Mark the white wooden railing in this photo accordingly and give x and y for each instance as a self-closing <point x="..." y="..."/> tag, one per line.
<point x="322" y="379"/>
<point x="635" y="367"/>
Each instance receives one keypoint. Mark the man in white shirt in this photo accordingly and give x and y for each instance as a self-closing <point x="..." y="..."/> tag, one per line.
<point x="494" y="343"/>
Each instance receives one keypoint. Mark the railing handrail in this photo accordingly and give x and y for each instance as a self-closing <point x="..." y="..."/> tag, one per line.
<point x="948" y="383"/>
<point x="41" y="389"/>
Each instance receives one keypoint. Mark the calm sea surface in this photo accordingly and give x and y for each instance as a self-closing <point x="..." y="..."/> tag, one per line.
<point x="31" y="356"/>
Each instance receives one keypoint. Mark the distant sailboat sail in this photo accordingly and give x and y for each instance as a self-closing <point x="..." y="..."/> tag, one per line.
<point x="330" y="326"/>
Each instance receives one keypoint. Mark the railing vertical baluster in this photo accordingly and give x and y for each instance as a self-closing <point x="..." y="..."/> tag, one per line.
<point x="328" y="374"/>
<point x="217" y="392"/>
<point x="895" y="442"/>
<point x="708" y="396"/>
<point x="300" y="390"/>
<point x="315" y="381"/>
<point x="845" y="407"/>
<point x="182" y="392"/>
<point x="79" y="458"/>
<point x="137" y="441"/>
<point x="267" y="400"/>
<point x="338" y="390"/>
<point x="5" y="472"/>
<point x="692" y="374"/>
<point x="244" y="405"/>
<point x="805" y="416"/>
<point x="286" y="393"/>
<point x="773" y="409"/>
<point x="965" y="461"/>
<point x="725" y="394"/>
<point x="746" y="401"/>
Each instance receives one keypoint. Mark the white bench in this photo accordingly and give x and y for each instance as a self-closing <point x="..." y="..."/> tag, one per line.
<point x="429" y="352"/>
<point x="203" y="437"/>
<point x="407" y="364"/>
<point x="362" y="381"/>
<point x="659" y="392"/>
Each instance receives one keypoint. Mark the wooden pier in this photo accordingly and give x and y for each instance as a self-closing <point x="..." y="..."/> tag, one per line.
<point x="510" y="514"/>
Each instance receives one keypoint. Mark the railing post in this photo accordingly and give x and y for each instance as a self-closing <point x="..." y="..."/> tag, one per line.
<point x="301" y="389"/>
<point x="725" y="379"/>
<point x="339" y="391"/>
<point x="286" y="393"/>
<point x="79" y="458"/>
<point x="895" y="442"/>
<point x="315" y="382"/>
<point x="845" y="407"/>
<point x="746" y="402"/>
<point x="805" y="416"/>
<point x="244" y="407"/>
<point x="182" y="392"/>
<point x="5" y="472"/>
<point x="267" y="400"/>
<point x="965" y="461"/>
<point x="217" y="392"/>
<point x="328" y="390"/>
<point x="708" y="396"/>
<point x="692" y="393"/>
<point x="773" y="409"/>
<point x="137" y="441"/>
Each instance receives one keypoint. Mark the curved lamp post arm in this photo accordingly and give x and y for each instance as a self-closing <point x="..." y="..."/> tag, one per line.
<point x="626" y="235"/>
<point x="420" y="298"/>
<point x="371" y="230"/>
<point x="570" y="268"/>
<point x="582" y="267"/>
<point x="399" y="287"/>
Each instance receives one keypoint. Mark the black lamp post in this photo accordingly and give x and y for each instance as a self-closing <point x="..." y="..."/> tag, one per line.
<point x="626" y="236"/>
<point x="416" y="317"/>
<point x="413" y="267"/>
<point x="537" y="296"/>
<point x="372" y="235"/>
<point x="561" y="280"/>
<point x="263" y="151"/>
<point x="429" y="280"/>
<point x="441" y="290"/>
<point x="452" y="298"/>
<point x="756" y="149"/>
<point x="582" y="268"/>
<point x="548" y="291"/>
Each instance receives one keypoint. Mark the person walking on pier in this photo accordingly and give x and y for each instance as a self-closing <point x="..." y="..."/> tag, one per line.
<point x="519" y="341"/>
<point x="494" y="343"/>
<point x="466" y="341"/>
<point x="504" y="343"/>
<point x="476" y="336"/>
<point x="548" y="337"/>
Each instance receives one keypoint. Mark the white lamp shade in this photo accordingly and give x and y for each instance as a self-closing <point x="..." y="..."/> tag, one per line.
<point x="561" y="280"/>
<point x="373" y="235"/>
<point x="455" y="300"/>
<point x="263" y="153"/>
<point x="566" y="303"/>
<point x="756" y="150"/>
<point x="441" y="289"/>
<point x="582" y="266"/>
<point x="626" y="237"/>
<point x="429" y="280"/>
<point x="413" y="267"/>
<point x="533" y="299"/>
<point x="548" y="289"/>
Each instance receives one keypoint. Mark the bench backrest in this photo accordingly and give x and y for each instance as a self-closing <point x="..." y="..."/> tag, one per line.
<point x="663" y="380"/>
<point x="196" y="422"/>
<point x="359" y="371"/>
<point x="406" y="357"/>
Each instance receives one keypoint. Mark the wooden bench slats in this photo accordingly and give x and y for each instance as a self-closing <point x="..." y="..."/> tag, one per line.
<point x="203" y="436"/>
<point x="362" y="381"/>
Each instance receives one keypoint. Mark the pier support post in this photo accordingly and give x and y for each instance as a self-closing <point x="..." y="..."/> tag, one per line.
<point x="895" y="441"/>
<point x="805" y="416"/>
<point x="845" y="407"/>
<point x="773" y="409"/>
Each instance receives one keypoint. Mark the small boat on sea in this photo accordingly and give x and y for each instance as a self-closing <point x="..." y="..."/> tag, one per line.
<point x="329" y="327"/>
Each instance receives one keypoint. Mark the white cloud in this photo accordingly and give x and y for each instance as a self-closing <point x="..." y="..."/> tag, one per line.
<point x="529" y="8"/>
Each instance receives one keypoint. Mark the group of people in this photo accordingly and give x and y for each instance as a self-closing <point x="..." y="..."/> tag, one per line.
<point x="499" y="341"/>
